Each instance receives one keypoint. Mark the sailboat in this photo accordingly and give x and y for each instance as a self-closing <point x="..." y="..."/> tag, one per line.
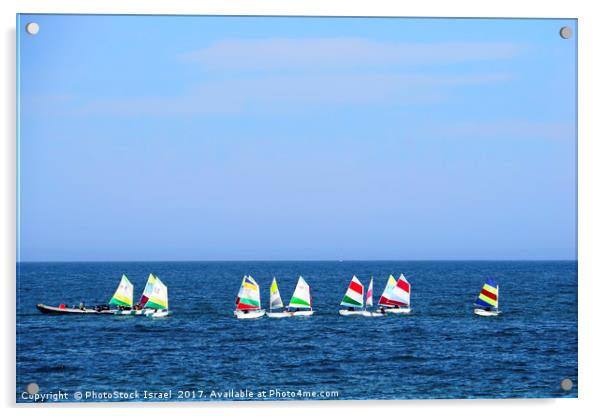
<point x="157" y="305"/>
<point x="400" y="297"/>
<point x="385" y="301"/>
<point x="139" y="308"/>
<point x="353" y="299"/>
<point x="300" y="304"/>
<point x="248" y="301"/>
<point x="276" y="302"/>
<point x="369" y="302"/>
<point x="487" y="302"/>
<point x="396" y="296"/>
<point x="123" y="297"/>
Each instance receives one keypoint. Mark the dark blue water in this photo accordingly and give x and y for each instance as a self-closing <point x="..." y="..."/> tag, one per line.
<point x="441" y="351"/>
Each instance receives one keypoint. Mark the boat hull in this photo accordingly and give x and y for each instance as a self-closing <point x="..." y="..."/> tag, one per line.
<point x="250" y="314"/>
<point x="374" y="314"/>
<point x="128" y="312"/>
<point x="141" y="312"/>
<point x="483" y="312"/>
<point x="278" y="315"/>
<point x="160" y="314"/>
<point x="345" y="312"/>
<point x="398" y="311"/>
<point x="71" y="311"/>
<point x="302" y="313"/>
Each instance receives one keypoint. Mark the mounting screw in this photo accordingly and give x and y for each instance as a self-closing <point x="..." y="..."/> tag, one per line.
<point x="33" y="388"/>
<point x="566" y="384"/>
<point x="32" y="28"/>
<point x="566" y="32"/>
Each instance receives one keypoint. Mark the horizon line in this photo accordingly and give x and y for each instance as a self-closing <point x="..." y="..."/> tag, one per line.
<point x="281" y="261"/>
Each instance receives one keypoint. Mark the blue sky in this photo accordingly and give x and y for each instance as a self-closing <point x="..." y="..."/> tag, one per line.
<point x="239" y="138"/>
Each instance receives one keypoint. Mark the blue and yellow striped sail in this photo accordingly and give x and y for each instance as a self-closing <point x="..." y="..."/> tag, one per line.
<point x="488" y="297"/>
<point x="249" y="283"/>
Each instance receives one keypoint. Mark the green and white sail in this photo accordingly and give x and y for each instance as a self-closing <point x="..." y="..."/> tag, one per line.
<point x="354" y="297"/>
<point x="124" y="295"/>
<point x="301" y="297"/>
<point x="158" y="297"/>
<point x="275" y="299"/>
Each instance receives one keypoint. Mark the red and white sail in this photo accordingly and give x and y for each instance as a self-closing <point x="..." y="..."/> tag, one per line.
<point x="354" y="297"/>
<point x="369" y="294"/>
<point x="400" y="294"/>
<point x="386" y="297"/>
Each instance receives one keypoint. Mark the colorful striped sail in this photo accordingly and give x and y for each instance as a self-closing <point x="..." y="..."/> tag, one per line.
<point x="400" y="294"/>
<point x="275" y="299"/>
<point x="248" y="294"/>
<point x="385" y="298"/>
<point x="369" y="294"/>
<point x="354" y="297"/>
<point x="301" y="297"/>
<point x="488" y="298"/>
<point x="148" y="290"/>
<point x="158" y="297"/>
<point x="240" y="289"/>
<point x="124" y="295"/>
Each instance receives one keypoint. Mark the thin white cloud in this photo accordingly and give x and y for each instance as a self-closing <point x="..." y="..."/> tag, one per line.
<point x="293" y="94"/>
<point x="281" y="53"/>
<point x="505" y="129"/>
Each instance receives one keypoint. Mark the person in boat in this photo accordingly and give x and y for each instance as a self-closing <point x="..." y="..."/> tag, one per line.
<point x="488" y="309"/>
<point x="349" y="308"/>
<point x="81" y="306"/>
<point x="382" y="310"/>
<point x="245" y="311"/>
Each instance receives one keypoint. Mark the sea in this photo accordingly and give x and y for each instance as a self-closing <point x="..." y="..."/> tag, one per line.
<point x="201" y="352"/>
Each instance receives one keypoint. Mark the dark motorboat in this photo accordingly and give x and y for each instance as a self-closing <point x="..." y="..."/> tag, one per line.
<point x="62" y="309"/>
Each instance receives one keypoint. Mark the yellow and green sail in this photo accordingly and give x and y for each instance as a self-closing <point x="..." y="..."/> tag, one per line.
<point x="158" y="296"/>
<point x="275" y="299"/>
<point x="124" y="295"/>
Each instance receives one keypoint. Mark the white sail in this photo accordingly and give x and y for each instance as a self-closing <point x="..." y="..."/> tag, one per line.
<point x="275" y="299"/>
<point x="369" y="294"/>
<point x="301" y="297"/>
